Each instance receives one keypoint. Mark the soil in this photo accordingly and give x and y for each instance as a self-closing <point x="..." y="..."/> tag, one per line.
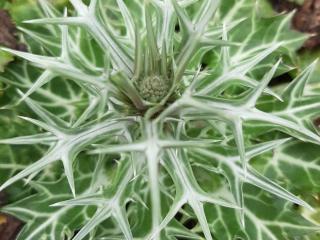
<point x="306" y="18"/>
<point x="8" y="32"/>
<point x="283" y="5"/>
<point x="9" y="226"/>
<point x="317" y="124"/>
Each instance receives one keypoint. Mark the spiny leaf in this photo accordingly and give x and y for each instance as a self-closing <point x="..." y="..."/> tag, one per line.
<point x="155" y="110"/>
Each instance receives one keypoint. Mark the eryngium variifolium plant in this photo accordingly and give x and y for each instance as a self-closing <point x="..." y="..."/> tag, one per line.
<point x="160" y="113"/>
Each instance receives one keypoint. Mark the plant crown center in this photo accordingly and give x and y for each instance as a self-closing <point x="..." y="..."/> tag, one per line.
<point x="153" y="88"/>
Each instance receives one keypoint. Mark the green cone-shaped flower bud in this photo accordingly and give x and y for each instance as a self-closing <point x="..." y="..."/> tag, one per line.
<point x="153" y="88"/>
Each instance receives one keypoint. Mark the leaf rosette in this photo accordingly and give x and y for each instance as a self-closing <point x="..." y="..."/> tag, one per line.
<point x="160" y="114"/>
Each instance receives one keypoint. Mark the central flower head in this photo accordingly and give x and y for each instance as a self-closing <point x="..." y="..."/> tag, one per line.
<point x="153" y="88"/>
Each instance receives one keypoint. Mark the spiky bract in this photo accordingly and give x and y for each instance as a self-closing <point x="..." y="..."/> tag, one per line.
<point x="161" y="102"/>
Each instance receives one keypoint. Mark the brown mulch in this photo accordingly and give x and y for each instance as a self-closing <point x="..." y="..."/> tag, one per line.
<point x="8" y="32"/>
<point x="306" y="18"/>
<point x="9" y="226"/>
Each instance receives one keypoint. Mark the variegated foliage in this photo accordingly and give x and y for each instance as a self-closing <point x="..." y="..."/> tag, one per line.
<point x="154" y="120"/>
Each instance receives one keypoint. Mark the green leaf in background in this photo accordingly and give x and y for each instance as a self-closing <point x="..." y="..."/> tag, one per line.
<point x="266" y="218"/>
<point x="305" y="58"/>
<point x="5" y="58"/>
<point x="55" y="223"/>
<point x="22" y="10"/>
